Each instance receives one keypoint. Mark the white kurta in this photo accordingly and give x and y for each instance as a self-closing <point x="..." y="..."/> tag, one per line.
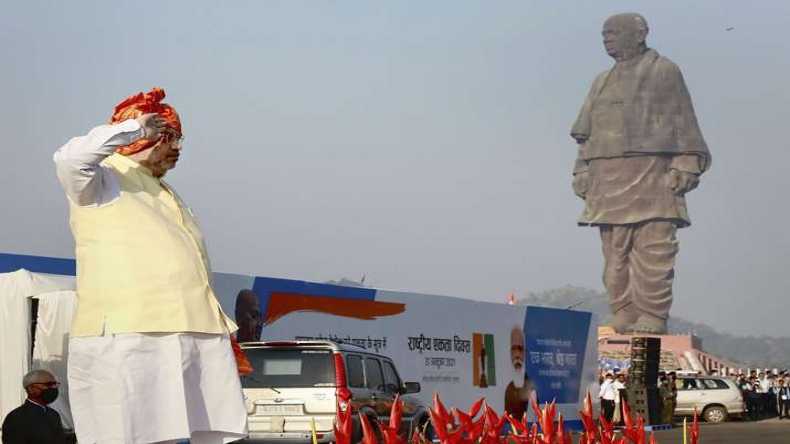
<point x="148" y="388"/>
<point x="141" y="388"/>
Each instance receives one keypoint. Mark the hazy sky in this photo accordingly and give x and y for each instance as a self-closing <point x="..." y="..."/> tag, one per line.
<point x="422" y="143"/>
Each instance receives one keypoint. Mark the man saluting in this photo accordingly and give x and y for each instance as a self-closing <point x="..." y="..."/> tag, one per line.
<point x="150" y="357"/>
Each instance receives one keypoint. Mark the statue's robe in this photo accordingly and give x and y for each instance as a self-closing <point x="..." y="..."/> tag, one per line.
<point x="636" y="125"/>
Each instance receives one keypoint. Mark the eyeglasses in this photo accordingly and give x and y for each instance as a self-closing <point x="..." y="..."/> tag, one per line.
<point x="172" y="138"/>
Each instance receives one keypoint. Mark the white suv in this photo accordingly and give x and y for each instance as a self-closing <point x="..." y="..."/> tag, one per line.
<point x="715" y="398"/>
<point x="297" y="382"/>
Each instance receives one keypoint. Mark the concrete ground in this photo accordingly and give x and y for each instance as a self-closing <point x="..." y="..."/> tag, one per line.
<point x="769" y="431"/>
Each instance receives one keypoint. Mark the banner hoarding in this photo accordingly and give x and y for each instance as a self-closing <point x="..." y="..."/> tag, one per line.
<point x="459" y="348"/>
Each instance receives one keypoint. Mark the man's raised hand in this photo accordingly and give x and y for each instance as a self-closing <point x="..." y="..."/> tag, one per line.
<point x="153" y="125"/>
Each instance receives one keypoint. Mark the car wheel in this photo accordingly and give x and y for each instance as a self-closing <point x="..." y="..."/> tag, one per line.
<point x="715" y="414"/>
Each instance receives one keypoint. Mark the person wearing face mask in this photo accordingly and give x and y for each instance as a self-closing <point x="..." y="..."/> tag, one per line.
<point x="640" y="150"/>
<point x="151" y="357"/>
<point x="33" y="422"/>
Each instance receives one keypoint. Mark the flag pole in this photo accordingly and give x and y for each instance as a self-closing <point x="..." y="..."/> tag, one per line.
<point x="684" y="432"/>
<point x="312" y="430"/>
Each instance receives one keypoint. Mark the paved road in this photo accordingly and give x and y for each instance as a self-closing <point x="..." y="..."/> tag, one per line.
<point x="770" y="431"/>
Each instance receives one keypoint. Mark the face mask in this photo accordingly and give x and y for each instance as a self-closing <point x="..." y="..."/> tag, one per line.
<point x="49" y="395"/>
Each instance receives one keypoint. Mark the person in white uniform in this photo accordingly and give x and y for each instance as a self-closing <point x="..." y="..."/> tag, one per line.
<point x="150" y="358"/>
<point x="618" y="386"/>
<point x="607" y="397"/>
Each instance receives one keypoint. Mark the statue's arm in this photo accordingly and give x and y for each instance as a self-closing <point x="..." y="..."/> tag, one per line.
<point x="582" y="127"/>
<point x="685" y="169"/>
<point x="697" y="158"/>
<point x="581" y="176"/>
<point x="684" y="172"/>
<point x="581" y="165"/>
<point x="687" y="163"/>
<point x="580" y="132"/>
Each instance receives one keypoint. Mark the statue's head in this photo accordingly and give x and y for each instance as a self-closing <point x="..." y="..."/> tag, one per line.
<point x="624" y="35"/>
<point x="248" y="316"/>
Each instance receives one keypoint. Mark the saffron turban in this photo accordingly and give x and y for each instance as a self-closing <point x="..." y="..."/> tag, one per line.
<point x="144" y="103"/>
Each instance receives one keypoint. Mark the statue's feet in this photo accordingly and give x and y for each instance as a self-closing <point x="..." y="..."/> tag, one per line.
<point x="624" y="319"/>
<point x="649" y="324"/>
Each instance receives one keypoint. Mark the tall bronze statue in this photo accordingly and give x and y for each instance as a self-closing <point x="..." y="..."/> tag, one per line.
<point x="640" y="152"/>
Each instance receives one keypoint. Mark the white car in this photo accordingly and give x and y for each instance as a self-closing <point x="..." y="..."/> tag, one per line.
<point x="298" y="385"/>
<point x="715" y="398"/>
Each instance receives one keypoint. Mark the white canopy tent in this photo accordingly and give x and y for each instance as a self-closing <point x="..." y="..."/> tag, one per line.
<point x="56" y="302"/>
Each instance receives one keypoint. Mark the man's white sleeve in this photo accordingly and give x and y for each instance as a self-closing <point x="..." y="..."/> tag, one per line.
<point x="85" y="182"/>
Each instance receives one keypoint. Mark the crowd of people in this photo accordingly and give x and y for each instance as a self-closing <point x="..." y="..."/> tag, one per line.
<point x="766" y="394"/>
<point x="612" y="394"/>
<point x="613" y="391"/>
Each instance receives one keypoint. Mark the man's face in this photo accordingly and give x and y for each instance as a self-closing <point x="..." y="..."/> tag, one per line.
<point x="168" y="151"/>
<point x="517" y="349"/>
<point x="44" y="382"/>
<point x="621" y="37"/>
<point x="163" y="156"/>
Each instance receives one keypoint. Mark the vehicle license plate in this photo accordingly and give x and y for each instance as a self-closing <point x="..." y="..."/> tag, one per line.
<point x="281" y="409"/>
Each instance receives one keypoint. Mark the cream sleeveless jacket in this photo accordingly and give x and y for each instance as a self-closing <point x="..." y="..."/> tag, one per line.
<point x="141" y="262"/>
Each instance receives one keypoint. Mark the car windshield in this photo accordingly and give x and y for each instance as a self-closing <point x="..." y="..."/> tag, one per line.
<point x="278" y="368"/>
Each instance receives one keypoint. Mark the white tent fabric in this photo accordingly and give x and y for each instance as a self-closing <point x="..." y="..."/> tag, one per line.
<point x="15" y="340"/>
<point x="16" y="289"/>
<point x="55" y="312"/>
